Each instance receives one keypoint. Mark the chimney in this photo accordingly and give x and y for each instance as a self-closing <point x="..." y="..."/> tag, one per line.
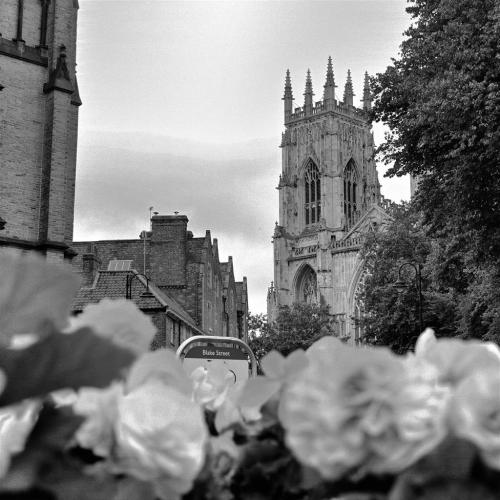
<point x="90" y="266"/>
<point x="168" y="249"/>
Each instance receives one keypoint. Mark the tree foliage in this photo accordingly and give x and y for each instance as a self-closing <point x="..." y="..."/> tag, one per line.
<point x="441" y="101"/>
<point x="458" y="297"/>
<point x="296" y="327"/>
<point x="391" y="254"/>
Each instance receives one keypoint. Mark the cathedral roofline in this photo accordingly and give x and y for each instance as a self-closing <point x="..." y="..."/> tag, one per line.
<point x="319" y="109"/>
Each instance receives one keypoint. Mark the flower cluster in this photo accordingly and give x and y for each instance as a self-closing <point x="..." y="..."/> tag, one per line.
<point x="147" y="427"/>
<point x="315" y="424"/>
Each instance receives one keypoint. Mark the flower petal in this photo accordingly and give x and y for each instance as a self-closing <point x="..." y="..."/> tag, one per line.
<point x="258" y="391"/>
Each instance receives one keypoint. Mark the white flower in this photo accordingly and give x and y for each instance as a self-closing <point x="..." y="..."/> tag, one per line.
<point x="279" y="371"/>
<point x="100" y="407"/>
<point x="119" y="320"/>
<point x="16" y="423"/>
<point x="456" y="359"/>
<point x="149" y="427"/>
<point x="211" y="385"/>
<point x="359" y="408"/>
<point x="475" y="413"/>
<point x="160" y="436"/>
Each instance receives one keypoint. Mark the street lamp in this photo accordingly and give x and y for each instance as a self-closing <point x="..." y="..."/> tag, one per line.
<point x="402" y="285"/>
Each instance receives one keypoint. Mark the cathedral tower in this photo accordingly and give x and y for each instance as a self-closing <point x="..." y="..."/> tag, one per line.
<point x="38" y="122"/>
<point x="329" y="194"/>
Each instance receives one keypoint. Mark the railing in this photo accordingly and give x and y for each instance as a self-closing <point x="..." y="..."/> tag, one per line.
<point x="350" y="242"/>
<point x="320" y="107"/>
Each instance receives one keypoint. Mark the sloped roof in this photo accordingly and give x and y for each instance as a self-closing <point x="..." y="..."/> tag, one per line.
<point x="374" y="214"/>
<point x="113" y="285"/>
<point x="173" y="306"/>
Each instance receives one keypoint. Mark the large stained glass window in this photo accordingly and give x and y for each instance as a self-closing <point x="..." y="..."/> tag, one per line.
<point x="312" y="194"/>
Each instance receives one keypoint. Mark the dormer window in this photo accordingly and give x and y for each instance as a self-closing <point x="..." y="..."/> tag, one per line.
<point x="312" y="194"/>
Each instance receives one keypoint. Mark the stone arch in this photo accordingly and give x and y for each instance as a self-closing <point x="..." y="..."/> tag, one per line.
<point x="306" y="285"/>
<point x="351" y="163"/>
<point x="303" y="165"/>
<point x="355" y="304"/>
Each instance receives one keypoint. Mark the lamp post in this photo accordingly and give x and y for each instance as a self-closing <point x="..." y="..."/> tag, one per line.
<point x="402" y="285"/>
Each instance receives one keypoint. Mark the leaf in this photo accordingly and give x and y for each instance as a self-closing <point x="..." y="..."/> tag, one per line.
<point x="54" y="428"/>
<point x="60" y="361"/>
<point x="32" y="293"/>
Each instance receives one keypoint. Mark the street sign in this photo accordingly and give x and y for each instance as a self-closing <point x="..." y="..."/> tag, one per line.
<point x="229" y="352"/>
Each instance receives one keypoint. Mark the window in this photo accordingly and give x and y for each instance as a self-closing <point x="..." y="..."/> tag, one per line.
<point x="313" y="194"/>
<point x="306" y="291"/>
<point x="119" y="265"/>
<point x="350" y="194"/>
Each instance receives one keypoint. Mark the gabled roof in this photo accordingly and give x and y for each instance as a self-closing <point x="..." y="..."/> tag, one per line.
<point x="375" y="214"/>
<point x="113" y="285"/>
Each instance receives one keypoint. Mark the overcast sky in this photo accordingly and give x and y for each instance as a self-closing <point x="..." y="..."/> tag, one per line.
<point x="182" y="110"/>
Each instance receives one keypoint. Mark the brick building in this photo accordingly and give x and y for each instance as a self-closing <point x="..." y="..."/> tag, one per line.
<point x="39" y="103"/>
<point x="199" y="292"/>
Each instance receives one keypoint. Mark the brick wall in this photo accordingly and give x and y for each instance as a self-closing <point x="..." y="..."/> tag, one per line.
<point x="107" y="250"/>
<point x="168" y="249"/>
<point x="187" y="269"/>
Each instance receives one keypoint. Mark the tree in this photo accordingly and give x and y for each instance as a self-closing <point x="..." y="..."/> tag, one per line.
<point x="391" y="317"/>
<point x="441" y="101"/>
<point x="296" y="327"/>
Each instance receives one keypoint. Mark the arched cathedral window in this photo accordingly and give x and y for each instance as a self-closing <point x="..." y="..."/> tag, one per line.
<point x="350" y="194"/>
<point x="312" y="194"/>
<point x="307" y="284"/>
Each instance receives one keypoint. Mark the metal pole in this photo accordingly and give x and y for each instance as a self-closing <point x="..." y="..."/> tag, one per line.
<point x="419" y="287"/>
<point x="144" y="252"/>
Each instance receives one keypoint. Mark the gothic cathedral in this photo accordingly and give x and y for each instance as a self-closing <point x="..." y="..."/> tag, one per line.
<point x="329" y="195"/>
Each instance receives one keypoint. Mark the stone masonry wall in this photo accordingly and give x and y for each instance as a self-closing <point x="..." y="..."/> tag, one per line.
<point x="22" y="106"/>
<point x="38" y="128"/>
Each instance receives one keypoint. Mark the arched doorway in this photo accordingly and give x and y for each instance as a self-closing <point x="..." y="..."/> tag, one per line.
<point x="357" y="306"/>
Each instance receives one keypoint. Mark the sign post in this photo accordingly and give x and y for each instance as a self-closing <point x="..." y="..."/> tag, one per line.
<point x="229" y="352"/>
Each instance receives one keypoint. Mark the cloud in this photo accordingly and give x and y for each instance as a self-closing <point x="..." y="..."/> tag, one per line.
<point x="229" y="189"/>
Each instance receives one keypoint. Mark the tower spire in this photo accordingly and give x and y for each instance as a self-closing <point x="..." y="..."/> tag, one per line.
<point x="308" y="95"/>
<point x="348" y="92"/>
<point x="288" y="96"/>
<point x="367" y="98"/>
<point x="329" y="87"/>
